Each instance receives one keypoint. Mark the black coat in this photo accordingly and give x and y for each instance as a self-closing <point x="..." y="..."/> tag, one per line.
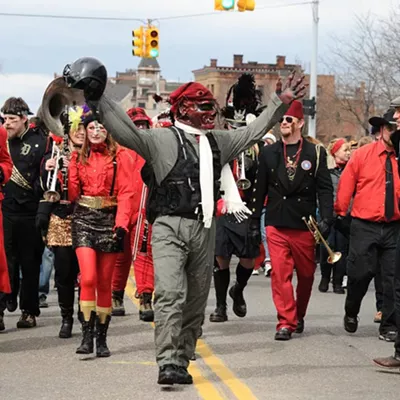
<point x="27" y="155"/>
<point x="289" y="201"/>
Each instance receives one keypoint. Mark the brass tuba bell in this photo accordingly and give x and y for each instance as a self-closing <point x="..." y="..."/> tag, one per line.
<point x="56" y="98"/>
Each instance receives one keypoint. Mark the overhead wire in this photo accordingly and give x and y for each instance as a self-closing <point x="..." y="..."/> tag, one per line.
<point x="166" y="18"/>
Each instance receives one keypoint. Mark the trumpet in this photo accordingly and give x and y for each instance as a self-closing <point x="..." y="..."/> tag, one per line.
<point x="242" y="183"/>
<point x="312" y="226"/>
<point x="51" y="194"/>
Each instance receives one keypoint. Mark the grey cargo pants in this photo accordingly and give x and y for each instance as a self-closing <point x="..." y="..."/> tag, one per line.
<point x="183" y="254"/>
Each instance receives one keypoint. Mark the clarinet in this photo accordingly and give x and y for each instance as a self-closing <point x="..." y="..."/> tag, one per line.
<point x="143" y="249"/>
<point x="65" y="152"/>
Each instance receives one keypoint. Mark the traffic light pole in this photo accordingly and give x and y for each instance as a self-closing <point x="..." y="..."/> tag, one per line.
<point x="314" y="65"/>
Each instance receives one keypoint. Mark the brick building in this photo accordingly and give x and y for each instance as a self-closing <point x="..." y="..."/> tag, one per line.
<point x="218" y="79"/>
<point x="333" y="116"/>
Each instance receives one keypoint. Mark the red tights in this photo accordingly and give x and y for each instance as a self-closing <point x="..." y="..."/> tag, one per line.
<point x="96" y="270"/>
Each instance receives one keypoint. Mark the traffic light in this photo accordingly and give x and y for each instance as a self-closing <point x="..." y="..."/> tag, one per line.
<point x="224" y="5"/>
<point x="246" y="5"/>
<point x="138" y="42"/>
<point x="309" y="107"/>
<point x="152" y="42"/>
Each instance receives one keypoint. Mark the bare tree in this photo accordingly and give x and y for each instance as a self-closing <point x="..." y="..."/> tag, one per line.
<point x="366" y="66"/>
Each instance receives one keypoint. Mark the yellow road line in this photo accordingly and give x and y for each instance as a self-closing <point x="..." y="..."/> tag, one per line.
<point x="236" y="386"/>
<point x="206" y="389"/>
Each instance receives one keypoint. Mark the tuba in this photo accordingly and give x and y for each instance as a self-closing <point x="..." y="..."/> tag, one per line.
<point x="57" y="96"/>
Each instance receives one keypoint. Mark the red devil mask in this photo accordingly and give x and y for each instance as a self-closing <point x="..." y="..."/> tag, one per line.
<point x="194" y="105"/>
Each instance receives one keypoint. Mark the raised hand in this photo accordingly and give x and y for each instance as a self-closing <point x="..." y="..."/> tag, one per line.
<point x="292" y="89"/>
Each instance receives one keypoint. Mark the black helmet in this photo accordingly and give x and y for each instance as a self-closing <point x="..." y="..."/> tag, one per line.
<point x="87" y="74"/>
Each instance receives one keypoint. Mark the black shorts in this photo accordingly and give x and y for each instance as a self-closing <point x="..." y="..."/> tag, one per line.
<point x="231" y="239"/>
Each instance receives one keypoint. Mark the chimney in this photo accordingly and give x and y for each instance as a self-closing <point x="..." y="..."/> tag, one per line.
<point x="237" y="60"/>
<point x="280" y="62"/>
<point x="213" y="63"/>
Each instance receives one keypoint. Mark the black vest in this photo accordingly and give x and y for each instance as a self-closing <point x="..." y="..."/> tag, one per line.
<point x="179" y="193"/>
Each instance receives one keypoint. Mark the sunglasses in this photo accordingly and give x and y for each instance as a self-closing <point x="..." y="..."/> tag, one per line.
<point x="287" y="119"/>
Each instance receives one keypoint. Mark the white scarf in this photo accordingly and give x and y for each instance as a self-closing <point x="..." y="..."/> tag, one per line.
<point x="233" y="203"/>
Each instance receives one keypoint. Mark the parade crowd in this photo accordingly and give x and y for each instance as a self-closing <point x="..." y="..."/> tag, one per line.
<point x="91" y="191"/>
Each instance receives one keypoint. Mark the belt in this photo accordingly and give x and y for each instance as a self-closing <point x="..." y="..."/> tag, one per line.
<point x="97" y="202"/>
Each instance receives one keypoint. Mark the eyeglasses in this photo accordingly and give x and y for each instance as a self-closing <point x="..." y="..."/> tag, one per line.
<point x="287" y="119"/>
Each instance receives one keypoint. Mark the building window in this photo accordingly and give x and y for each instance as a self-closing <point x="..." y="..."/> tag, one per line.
<point x="155" y="106"/>
<point x="261" y="89"/>
<point x="212" y="89"/>
<point x="142" y="105"/>
<point x="145" y="91"/>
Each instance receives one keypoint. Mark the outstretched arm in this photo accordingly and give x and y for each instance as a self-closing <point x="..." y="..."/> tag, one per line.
<point x="232" y="143"/>
<point x="124" y="131"/>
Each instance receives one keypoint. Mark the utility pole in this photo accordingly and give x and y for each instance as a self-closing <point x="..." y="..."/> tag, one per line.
<point x="314" y="67"/>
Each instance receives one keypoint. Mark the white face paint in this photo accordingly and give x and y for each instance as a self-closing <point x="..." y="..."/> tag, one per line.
<point x="96" y="132"/>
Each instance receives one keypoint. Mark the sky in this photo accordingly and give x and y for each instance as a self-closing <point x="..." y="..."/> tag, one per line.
<point x="33" y="49"/>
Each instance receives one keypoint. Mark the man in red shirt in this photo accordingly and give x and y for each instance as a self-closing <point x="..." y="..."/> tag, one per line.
<point x="394" y="361"/>
<point x="371" y="179"/>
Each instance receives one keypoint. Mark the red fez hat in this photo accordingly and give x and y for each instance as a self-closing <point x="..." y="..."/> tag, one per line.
<point x="138" y="114"/>
<point x="192" y="91"/>
<point x="295" y="110"/>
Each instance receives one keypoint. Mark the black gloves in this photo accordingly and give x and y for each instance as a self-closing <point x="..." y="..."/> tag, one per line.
<point x="254" y="232"/>
<point x="43" y="216"/>
<point x="119" y="235"/>
<point x="1" y="175"/>
<point x="342" y="225"/>
<point x="324" y="227"/>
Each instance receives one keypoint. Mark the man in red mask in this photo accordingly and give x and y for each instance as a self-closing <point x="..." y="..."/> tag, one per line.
<point x="137" y="241"/>
<point x="293" y="173"/>
<point x="184" y="165"/>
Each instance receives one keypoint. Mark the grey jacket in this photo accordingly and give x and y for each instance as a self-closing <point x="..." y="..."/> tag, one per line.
<point x="159" y="146"/>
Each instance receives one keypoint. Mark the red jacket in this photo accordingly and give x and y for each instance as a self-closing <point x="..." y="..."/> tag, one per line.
<point x="137" y="185"/>
<point x="6" y="166"/>
<point x="95" y="179"/>
<point x="365" y="178"/>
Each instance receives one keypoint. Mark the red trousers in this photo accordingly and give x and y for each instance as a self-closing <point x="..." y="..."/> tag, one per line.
<point x="291" y="249"/>
<point x="143" y="265"/>
<point x="96" y="269"/>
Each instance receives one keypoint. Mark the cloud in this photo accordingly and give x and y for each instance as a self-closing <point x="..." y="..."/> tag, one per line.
<point x="36" y="48"/>
<point x="28" y="86"/>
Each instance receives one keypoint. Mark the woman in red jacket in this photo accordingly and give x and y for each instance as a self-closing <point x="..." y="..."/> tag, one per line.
<point x="99" y="184"/>
<point x="5" y="174"/>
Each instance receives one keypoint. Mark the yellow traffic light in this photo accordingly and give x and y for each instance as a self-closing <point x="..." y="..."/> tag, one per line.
<point x="224" y="5"/>
<point x="152" y="42"/>
<point x="138" y="42"/>
<point x="246" y="5"/>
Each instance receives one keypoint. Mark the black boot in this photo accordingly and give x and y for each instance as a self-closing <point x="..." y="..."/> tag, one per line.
<point x="118" y="308"/>
<point x="236" y="291"/>
<point x="239" y="304"/>
<point x="101" y="337"/>
<point x="2" y="326"/>
<point x="324" y="285"/>
<point x="86" y="346"/>
<point x="67" y="322"/>
<point x="146" y="312"/>
<point x="221" y="284"/>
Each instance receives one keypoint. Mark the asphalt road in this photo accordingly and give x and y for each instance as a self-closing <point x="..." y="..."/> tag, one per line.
<point x="238" y="359"/>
